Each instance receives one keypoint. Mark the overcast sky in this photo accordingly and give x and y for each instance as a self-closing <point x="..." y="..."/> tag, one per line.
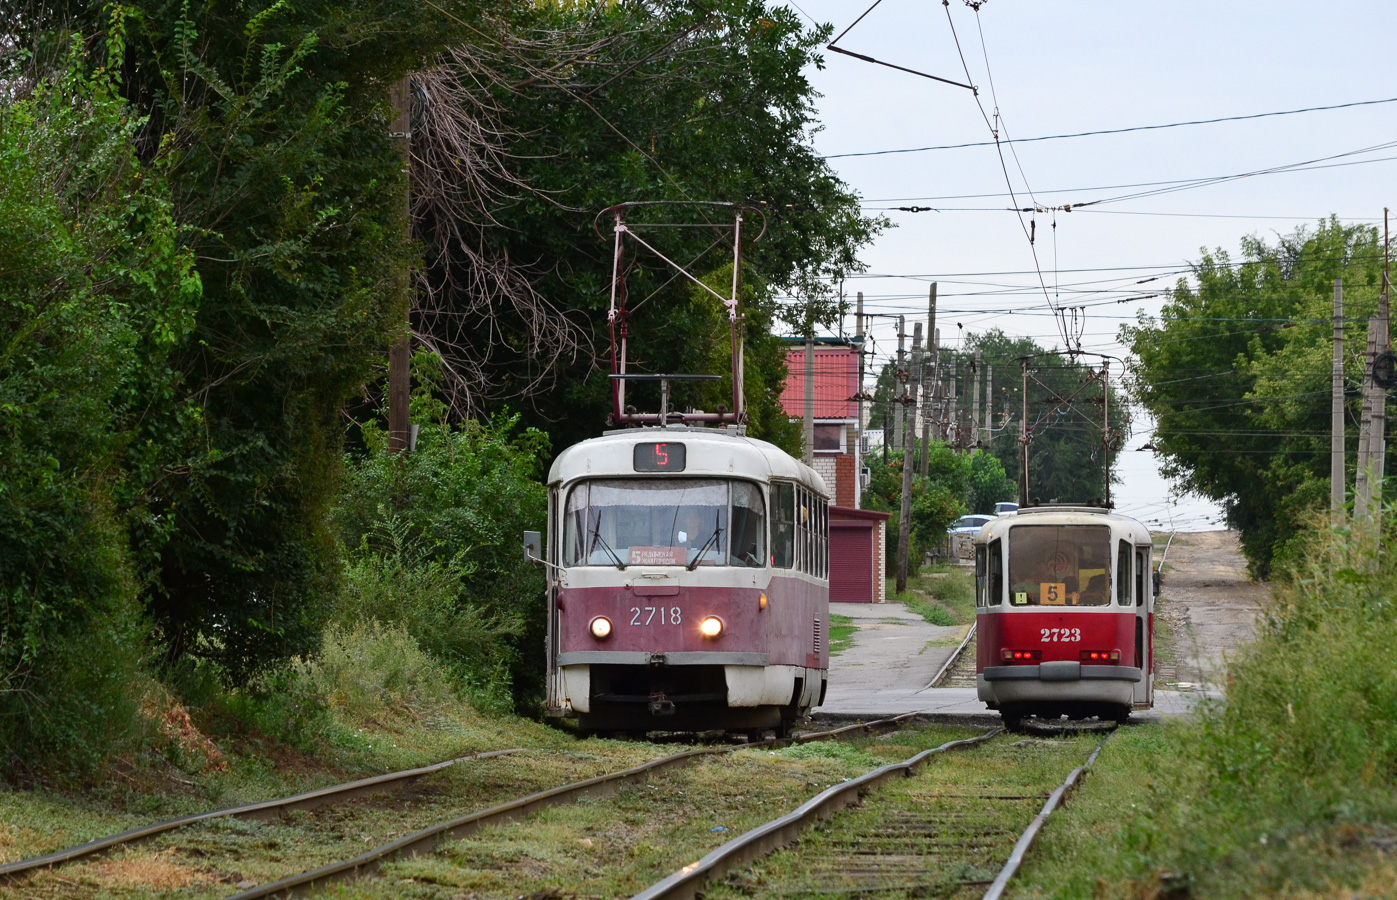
<point x="1092" y="65"/>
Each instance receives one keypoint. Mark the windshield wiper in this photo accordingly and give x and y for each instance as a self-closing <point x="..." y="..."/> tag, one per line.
<point x="597" y="538"/>
<point x="712" y="539"/>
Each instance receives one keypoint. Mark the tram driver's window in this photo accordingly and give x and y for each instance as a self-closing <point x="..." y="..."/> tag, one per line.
<point x="783" y="525"/>
<point x="980" y="576"/>
<point x="748" y="547"/>
<point x="996" y="575"/>
<point x="1123" y="574"/>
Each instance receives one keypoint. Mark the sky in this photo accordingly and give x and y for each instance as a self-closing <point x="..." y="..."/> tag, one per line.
<point x="1091" y="65"/>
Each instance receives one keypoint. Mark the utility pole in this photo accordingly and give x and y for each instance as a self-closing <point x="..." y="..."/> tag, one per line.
<point x="952" y="422"/>
<point x="973" y="431"/>
<point x="858" y="431"/>
<point x="989" y="402"/>
<point x="928" y="391"/>
<point x="1023" y="440"/>
<point x="1337" y="477"/>
<point x="808" y="429"/>
<point x="1106" y="426"/>
<point x="933" y="400"/>
<point x="904" y="521"/>
<point x="400" y="351"/>
<point x="901" y="383"/>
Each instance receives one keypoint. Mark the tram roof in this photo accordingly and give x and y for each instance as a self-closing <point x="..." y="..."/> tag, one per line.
<point x="711" y="452"/>
<point x="1064" y="515"/>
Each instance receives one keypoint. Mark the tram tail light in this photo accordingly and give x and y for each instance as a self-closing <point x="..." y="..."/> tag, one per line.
<point x="1021" y="656"/>
<point x="1101" y="657"/>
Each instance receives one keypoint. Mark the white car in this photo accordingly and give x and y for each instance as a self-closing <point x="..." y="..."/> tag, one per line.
<point x="1005" y="509"/>
<point x="968" y="524"/>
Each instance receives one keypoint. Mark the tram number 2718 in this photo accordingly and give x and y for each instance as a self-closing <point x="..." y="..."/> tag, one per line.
<point x="645" y="615"/>
<point x="1060" y="635"/>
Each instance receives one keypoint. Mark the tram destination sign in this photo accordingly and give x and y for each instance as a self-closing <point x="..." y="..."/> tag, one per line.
<point x="660" y="457"/>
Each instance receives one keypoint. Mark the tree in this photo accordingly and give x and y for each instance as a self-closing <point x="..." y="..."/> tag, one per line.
<point x="676" y="104"/>
<point x="96" y="292"/>
<point x="273" y="129"/>
<point x="1236" y="372"/>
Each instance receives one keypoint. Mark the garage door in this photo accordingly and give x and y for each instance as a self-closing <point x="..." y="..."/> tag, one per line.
<point x="850" y="562"/>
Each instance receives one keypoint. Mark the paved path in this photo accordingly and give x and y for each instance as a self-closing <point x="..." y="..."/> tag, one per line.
<point x="1210" y="602"/>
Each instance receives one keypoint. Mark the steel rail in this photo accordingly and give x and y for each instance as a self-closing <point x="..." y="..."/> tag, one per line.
<point x="996" y="889"/>
<point x="425" y="841"/>
<point x="947" y="666"/>
<point x="265" y="809"/>
<point x="764" y="839"/>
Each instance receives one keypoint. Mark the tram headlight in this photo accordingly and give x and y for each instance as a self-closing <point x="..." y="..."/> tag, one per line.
<point x="600" y="628"/>
<point x="711" y="627"/>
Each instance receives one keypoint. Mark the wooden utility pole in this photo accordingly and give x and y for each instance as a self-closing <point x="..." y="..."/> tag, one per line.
<point x="901" y="386"/>
<point x="400" y="351"/>
<point x="904" y="520"/>
<point x="1337" y="477"/>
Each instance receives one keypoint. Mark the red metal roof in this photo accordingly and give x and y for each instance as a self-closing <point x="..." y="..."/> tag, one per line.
<point x="836" y="381"/>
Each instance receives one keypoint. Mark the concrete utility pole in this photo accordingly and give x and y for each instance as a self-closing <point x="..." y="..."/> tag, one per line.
<point x="400" y="351"/>
<point x="1372" y="434"/>
<point x="928" y="385"/>
<point x="904" y="520"/>
<point x="952" y="422"/>
<point x="858" y="431"/>
<point x="989" y="402"/>
<point x="901" y="386"/>
<point x="808" y="429"/>
<point x="933" y="401"/>
<point x="973" y="432"/>
<point x="1337" y="477"/>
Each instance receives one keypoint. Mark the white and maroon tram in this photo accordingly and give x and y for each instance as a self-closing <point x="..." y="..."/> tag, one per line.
<point x="1065" y="613"/>
<point x="688" y="583"/>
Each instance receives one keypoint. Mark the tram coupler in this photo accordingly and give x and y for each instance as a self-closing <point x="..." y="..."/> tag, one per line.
<point x="661" y="705"/>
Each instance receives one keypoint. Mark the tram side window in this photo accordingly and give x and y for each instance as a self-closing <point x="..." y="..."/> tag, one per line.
<point x="1123" y="574"/>
<point x="824" y="539"/>
<point x="783" y="533"/>
<point x="980" y="579"/>
<point x="996" y="579"/>
<point x="1142" y="565"/>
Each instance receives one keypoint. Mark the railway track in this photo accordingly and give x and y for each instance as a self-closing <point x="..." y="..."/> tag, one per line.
<point x="958" y="830"/>
<point x="221" y="857"/>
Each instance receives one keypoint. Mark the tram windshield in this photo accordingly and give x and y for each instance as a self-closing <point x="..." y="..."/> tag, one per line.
<point x="669" y="522"/>
<point x="1059" y="565"/>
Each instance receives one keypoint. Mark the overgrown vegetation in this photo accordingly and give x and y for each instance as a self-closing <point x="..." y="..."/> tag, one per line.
<point x="1289" y="787"/>
<point x="1236" y="372"/>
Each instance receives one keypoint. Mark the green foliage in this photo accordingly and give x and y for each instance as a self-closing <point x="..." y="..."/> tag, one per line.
<point x="726" y="114"/>
<point x="375" y="674"/>
<point x="954" y="483"/>
<point x="433" y="541"/>
<point x="1236" y="372"/>
<point x="94" y="291"/>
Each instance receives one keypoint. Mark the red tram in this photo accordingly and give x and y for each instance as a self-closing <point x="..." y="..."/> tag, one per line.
<point x="688" y="583"/>
<point x="1065" y="614"/>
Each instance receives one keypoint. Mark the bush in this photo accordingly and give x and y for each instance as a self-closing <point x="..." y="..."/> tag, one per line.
<point x="433" y="539"/>
<point x="377" y="674"/>
<point x="94" y="290"/>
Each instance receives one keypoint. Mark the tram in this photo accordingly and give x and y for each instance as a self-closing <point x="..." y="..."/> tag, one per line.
<point x="1065" y="614"/>
<point x="688" y="583"/>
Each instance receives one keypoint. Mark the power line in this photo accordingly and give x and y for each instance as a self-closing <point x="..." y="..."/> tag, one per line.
<point x="1082" y="134"/>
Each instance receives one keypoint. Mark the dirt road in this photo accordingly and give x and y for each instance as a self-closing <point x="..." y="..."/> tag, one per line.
<point x="1210" y="605"/>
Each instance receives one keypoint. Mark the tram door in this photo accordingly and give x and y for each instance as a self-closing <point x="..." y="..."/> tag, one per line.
<point x="1144" y="628"/>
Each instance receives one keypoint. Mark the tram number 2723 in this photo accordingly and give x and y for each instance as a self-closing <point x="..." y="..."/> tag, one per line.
<point x="1060" y="635"/>
<point x="645" y="615"/>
